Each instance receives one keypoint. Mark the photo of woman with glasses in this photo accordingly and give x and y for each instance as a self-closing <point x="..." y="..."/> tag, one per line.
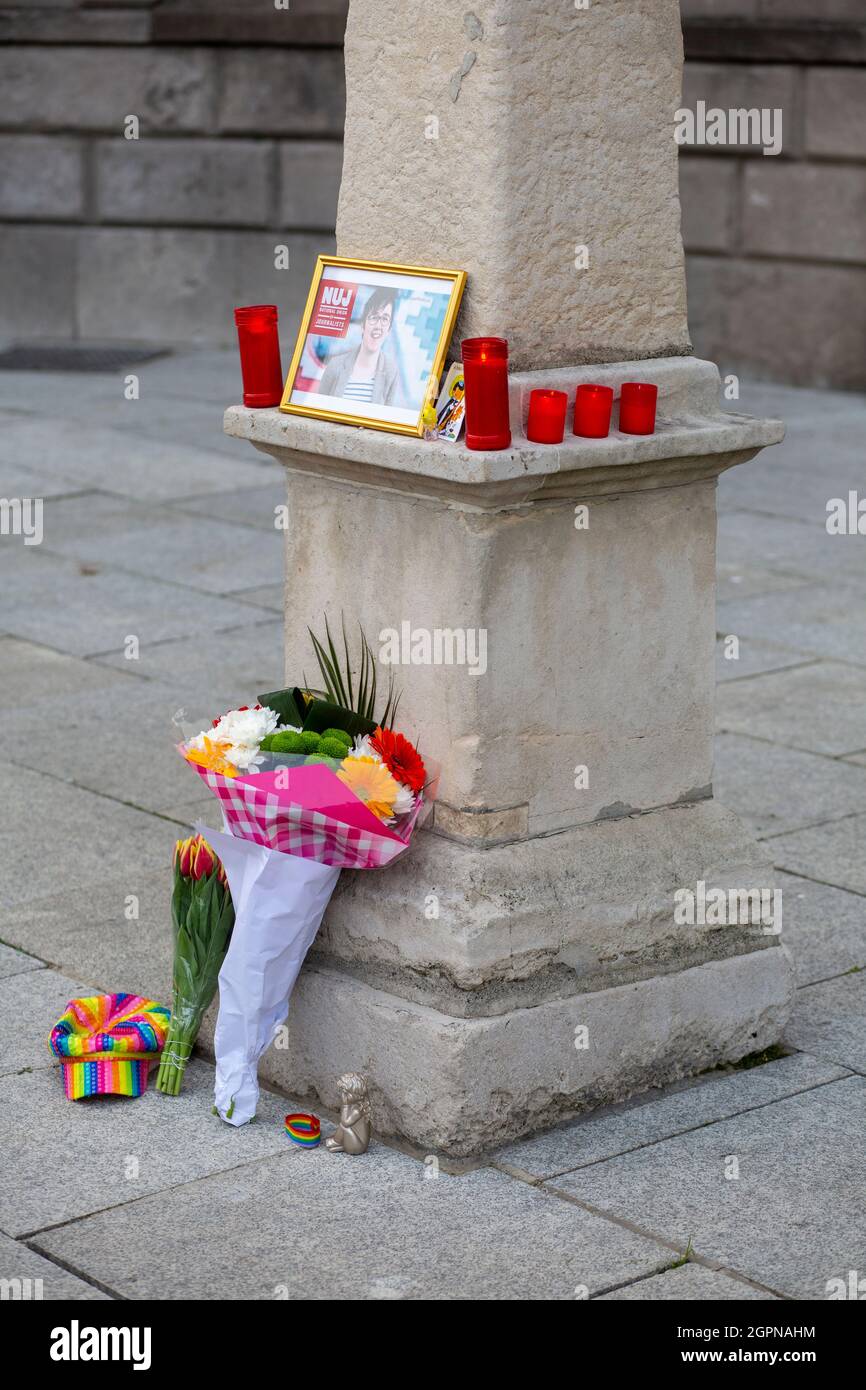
<point x="367" y="373"/>
<point x="372" y="343"/>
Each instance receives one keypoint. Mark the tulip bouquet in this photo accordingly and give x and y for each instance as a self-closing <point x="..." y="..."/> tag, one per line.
<point x="309" y="783"/>
<point x="202" y="918"/>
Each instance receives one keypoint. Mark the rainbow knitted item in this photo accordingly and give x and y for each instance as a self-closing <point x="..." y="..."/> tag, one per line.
<point x="107" y="1043"/>
<point x="304" y="1129"/>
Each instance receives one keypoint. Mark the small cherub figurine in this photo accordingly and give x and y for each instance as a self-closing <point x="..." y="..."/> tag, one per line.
<point x="352" y="1135"/>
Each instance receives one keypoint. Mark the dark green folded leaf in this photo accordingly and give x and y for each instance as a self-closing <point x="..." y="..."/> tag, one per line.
<point x="288" y="704"/>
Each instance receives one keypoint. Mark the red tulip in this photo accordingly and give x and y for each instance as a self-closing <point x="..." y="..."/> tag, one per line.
<point x="195" y="859"/>
<point x="183" y="855"/>
<point x="204" y="859"/>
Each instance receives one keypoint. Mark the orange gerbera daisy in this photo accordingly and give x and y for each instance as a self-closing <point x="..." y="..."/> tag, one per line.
<point x="400" y="757"/>
<point x="372" y="783"/>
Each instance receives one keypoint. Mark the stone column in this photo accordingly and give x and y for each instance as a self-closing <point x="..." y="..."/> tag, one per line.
<point x="505" y="138"/>
<point x="523" y="960"/>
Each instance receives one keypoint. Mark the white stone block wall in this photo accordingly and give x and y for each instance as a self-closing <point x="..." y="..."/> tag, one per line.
<point x="240" y="111"/>
<point x="241" y="114"/>
<point x="777" y="263"/>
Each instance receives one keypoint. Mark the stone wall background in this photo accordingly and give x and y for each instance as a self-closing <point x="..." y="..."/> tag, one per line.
<point x="241" y="113"/>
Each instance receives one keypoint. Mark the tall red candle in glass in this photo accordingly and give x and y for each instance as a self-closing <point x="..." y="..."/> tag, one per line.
<point x="592" y="407"/>
<point x="637" y="407"/>
<point x="260" y="354"/>
<point x="546" y="423"/>
<point x="485" y="371"/>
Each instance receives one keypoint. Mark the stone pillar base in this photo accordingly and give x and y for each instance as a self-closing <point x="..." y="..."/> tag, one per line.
<point x="465" y="1023"/>
<point x="460" y="1086"/>
<point x="575" y="795"/>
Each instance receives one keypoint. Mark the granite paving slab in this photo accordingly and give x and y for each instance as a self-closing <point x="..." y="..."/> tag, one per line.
<point x="121" y="745"/>
<point x="33" y="674"/>
<point x="202" y="429"/>
<point x="111" y="1150"/>
<point x="199" y="552"/>
<point x="100" y="608"/>
<point x="14" y="962"/>
<point x="155" y="414"/>
<point x="793" y="1219"/>
<point x="114" y="934"/>
<point x="690" y="1282"/>
<point x="50" y="394"/>
<point x="833" y="853"/>
<point x="788" y="481"/>
<point x="20" y="481"/>
<point x="211" y="668"/>
<point x="737" y="581"/>
<point x="824" y="928"/>
<point x="254" y="506"/>
<point x="124" y="462"/>
<point x="30" y="1005"/>
<point x="756" y="779"/>
<point x="54" y="835"/>
<point x="26" y="1275"/>
<point x="828" y="1019"/>
<point x="270" y="596"/>
<point x="209" y="375"/>
<point x="787" y="550"/>
<point x="192" y="379"/>
<point x="203" y="811"/>
<point x="781" y="707"/>
<point x="595" y="1137"/>
<point x="826" y="620"/>
<point x="317" y="1226"/>
<point x="755" y="658"/>
<point x="800" y="404"/>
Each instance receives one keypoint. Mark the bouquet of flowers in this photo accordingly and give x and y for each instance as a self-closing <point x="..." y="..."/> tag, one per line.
<point x="309" y="783"/>
<point x="202" y="917"/>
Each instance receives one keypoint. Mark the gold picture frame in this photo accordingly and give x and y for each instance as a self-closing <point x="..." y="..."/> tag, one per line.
<point x="335" y="319"/>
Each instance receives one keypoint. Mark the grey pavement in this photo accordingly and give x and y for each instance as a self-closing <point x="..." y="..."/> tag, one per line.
<point x="155" y="597"/>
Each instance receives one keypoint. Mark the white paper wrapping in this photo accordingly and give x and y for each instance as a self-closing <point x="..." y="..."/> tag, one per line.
<point x="279" y="901"/>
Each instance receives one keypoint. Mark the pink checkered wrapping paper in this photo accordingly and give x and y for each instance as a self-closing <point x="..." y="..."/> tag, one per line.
<point x="258" y="814"/>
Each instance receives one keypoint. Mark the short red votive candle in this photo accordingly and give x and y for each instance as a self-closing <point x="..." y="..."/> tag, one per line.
<point x="485" y="373"/>
<point x="637" y="407"/>
<point x="546" y="423"/>
<point x="592" y="407"/>
<point x="259" y="343"/>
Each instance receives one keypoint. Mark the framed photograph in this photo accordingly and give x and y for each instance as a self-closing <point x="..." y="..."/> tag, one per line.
<point x="372" y="341"/>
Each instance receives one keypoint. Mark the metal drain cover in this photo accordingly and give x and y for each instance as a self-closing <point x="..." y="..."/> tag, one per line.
<point x="74" y="357"/>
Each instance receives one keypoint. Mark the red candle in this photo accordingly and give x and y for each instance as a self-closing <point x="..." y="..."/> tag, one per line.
<point x="260" y="354"/>
<point x="546" y="424"/>
<point x="485" y="370"/>
<point x="592" y="407"/>
<point x="637" y="407"/>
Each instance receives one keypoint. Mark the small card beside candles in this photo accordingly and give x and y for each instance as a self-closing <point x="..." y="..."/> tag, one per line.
<point x="451" y="405"/>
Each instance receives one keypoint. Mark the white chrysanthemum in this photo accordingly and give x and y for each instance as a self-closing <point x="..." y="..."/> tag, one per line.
<point x="244" y="758"/>
<point x="363" y="749"/>
<point x="245" y="728"/>
<point x="404" y="801"/>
